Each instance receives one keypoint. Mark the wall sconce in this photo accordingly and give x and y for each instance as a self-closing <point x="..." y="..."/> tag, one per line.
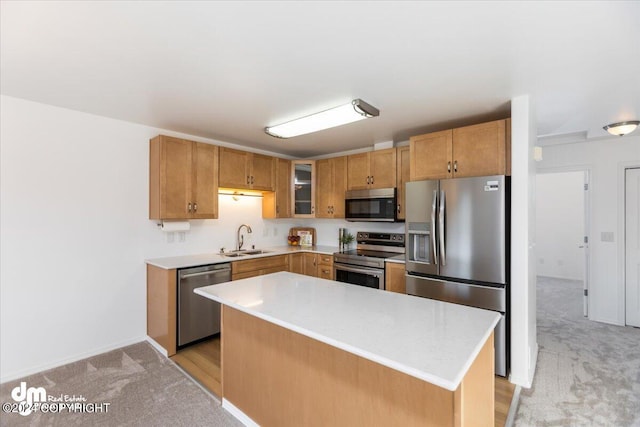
<point x="338" y="116"/>
<point x="622" y="128"/>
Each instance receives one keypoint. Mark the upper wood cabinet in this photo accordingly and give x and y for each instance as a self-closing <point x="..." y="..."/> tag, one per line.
<point x="303" y="188"/>
<point x="331" y="184"/>
<point x="374" y="169"/>
<point x="403" y="163"/>
<point x="241" y="169"/>
<point x="183" y="179"/>
<point x="277" y="204"/>
<point x="477" y="150"/>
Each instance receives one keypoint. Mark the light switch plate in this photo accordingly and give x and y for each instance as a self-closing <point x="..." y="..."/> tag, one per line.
<point x="606" y="236"/>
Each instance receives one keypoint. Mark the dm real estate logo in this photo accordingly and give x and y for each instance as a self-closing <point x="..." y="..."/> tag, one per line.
<point x="28" y="398"/>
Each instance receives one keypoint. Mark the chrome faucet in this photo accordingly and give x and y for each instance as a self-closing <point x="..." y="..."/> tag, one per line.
<point x="241" y="237"/>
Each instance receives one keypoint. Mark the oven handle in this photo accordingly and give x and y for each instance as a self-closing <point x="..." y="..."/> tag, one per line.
<point x="371" y="271"/>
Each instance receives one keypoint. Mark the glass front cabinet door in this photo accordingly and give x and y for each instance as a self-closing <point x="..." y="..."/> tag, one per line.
<point x="303" y="188"/>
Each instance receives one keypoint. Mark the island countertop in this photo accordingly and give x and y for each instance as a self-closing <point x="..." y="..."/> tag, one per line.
<point x="431" y="340"/>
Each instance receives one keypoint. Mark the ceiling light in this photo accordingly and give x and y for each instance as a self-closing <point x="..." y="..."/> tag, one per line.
<point x="338" y="116"/>
<point x="622" y="128"/>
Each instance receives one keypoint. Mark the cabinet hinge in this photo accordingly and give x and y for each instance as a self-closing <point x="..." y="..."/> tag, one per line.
<point x="586" y="187"/>
<point x="586" y="292"/>
<point x="586" y="239"/>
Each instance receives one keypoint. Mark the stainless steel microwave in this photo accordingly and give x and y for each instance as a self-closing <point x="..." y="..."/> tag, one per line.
<point x="371" y="205"/>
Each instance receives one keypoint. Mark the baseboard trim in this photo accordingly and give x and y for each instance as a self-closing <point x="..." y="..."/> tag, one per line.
<point x="157" y="346"/>
<point x="238" y="414"/>
<point x="60" y="362"/>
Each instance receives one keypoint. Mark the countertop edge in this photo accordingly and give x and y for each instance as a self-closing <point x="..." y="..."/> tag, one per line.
<point x="194" y="260"/>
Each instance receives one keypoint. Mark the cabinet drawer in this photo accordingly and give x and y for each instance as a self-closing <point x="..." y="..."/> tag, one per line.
<point x="325" y="272"/>
<point x="261" y="272"/>
<point x="325" y="260"/>
<point x="259" y="264"/>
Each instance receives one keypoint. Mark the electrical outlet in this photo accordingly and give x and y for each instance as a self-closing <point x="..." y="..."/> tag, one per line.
<point x="182" y="236"/>
<point x="171" y="237"/>
<point x="275" y="231"/>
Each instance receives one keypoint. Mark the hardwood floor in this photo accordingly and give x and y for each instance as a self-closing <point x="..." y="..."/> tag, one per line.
<point x="202" y="362"/>
<point x="504" y="393"/>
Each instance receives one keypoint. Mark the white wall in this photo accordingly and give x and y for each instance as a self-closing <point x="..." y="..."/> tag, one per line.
<point x="524" y="347"/>
<point x="75" y="234"/>
<point x="606" y="159"/>
<point x="560" y="224"/>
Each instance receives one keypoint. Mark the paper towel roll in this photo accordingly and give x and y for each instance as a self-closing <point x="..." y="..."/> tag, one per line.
<point x="170" y="226"/>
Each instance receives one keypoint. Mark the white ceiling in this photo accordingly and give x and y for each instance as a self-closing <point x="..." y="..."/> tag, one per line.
<point x="225" y="70"/>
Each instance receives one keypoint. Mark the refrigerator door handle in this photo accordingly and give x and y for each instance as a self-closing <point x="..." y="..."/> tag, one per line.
<point x="434" y="205"/>
<point x="441" y="214"/>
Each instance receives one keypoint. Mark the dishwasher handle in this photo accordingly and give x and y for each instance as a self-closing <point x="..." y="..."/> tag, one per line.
<point x="204" y="273"/>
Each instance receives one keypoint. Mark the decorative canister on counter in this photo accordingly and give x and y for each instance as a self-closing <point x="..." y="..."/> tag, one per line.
<point x="341" y="232"/>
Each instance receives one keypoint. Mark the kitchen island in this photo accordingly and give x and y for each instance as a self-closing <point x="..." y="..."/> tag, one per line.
<point x="298" y="350"/>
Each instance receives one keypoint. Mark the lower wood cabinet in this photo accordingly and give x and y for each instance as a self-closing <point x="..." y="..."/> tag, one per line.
<point x="312" y="264"/>
<point x="325" y="266"/>
<point x="259" y="266"/>
<point x="162" y="307"/>
<point x="394" y="277"/>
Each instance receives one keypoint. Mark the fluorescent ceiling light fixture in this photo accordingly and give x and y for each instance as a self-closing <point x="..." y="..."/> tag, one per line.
<point x="338" y="116"/>
<point x="622" y="128"/>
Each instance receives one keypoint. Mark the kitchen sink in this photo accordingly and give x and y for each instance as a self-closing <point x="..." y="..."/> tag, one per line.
<point x="242" y="252"/>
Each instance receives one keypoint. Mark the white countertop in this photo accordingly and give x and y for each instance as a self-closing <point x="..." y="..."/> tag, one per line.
<point x="431" y="340"/>
<point x="184" y="261"/>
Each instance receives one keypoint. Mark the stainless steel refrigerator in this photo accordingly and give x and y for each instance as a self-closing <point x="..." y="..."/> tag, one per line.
<point x="458" y="246"/>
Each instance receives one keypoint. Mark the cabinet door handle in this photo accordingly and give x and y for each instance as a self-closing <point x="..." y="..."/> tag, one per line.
<point x="248" y="181"/>
<point x="372" y="179"/>
<point x="455" y="166"/>
<point x="189" y="207"/>
<point x="251" y="179"/>
<point x="195" y="207"/>
<point x="313" y="209"/>
<point x="448" y="167"/>
<point x="368" y="180"/>
<point x="398" y="207"/>
<point x="331" y="209"/>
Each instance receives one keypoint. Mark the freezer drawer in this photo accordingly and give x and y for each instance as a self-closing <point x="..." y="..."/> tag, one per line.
<point x="471" y="295"/>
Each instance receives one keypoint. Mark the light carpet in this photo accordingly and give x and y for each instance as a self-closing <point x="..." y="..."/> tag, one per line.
<point x="588" y="373"/>
<point x="142" y="387"/>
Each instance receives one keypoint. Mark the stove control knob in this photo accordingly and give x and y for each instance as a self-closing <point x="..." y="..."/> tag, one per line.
<point x="393" y="237"/>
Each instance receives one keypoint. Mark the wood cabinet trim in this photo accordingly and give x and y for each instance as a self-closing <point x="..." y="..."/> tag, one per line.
<point x="162" y="307"/>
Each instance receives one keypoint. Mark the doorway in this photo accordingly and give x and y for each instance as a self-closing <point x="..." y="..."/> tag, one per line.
<point x="562" y="247"/>
<point x="632" y="247"/>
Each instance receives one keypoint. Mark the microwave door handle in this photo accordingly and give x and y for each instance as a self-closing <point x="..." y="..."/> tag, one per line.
<point x="434" y="205"/>
<point x="441" y="236"/>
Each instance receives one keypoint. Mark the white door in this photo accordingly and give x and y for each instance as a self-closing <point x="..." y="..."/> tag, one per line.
<point x="585" y="246"/>
<point x="632" y="246"/>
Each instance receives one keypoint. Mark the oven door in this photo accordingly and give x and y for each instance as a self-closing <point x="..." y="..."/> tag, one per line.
<point x="371" y="205"/>
<point x="361" y="276"/>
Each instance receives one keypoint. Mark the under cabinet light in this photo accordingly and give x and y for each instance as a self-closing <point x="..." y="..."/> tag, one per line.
<point x="622" y="128"/>
<point x="348" y="113"/>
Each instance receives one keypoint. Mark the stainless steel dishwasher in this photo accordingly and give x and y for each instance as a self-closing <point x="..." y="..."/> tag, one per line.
<point x="199" y="317"/>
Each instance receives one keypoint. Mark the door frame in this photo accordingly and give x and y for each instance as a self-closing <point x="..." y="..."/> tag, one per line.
<point x="587" y="170"/>
<point x="622" y="233"/>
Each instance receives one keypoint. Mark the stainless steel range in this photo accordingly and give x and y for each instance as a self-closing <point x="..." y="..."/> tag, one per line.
<point x="364" y="266"/>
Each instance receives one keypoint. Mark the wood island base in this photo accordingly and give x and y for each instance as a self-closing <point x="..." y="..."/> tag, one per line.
<point x="278" y="377"/>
